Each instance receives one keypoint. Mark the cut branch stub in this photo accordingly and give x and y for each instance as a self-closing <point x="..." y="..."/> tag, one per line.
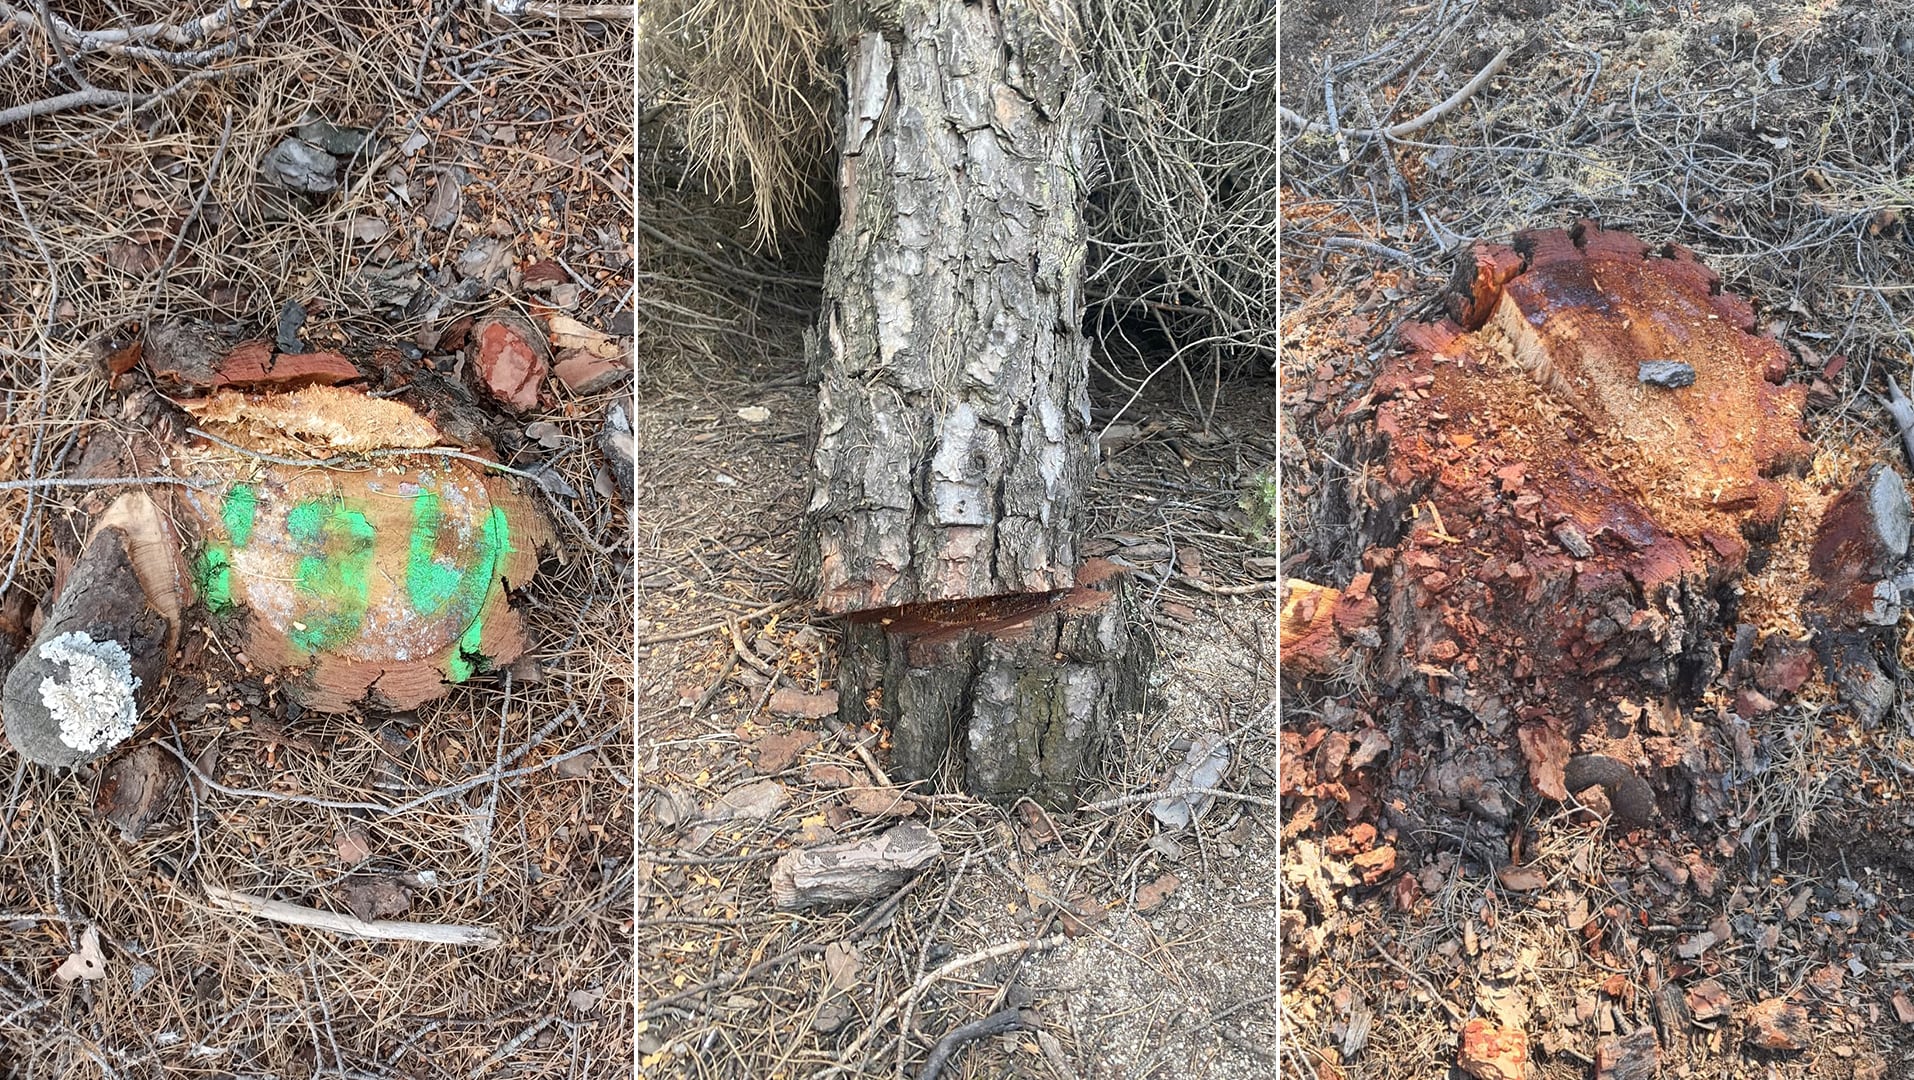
<point x="1555" y="532"/>
<point x="80" y="687"/>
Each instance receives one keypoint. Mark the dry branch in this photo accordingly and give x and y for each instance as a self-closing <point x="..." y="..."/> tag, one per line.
<point x="379" y="929"/>
<point x="1431" y="115"/>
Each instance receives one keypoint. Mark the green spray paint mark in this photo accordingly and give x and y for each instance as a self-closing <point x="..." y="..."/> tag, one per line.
<point x="242" y="502"/>
<point x="431" y="583"/>
<point x="213" y="573"/>
<point x="495" y="543"/>
<point x="334" y="571"/>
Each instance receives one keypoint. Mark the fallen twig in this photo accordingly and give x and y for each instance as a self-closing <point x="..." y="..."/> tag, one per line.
<point x="708" y="628"/>
<point x="994" y="1024"/>
<point x="1152" y="796"/>
<point x="381" y="929"/>
<point x="1410" y="127"/>
<point x="918" y="988"/>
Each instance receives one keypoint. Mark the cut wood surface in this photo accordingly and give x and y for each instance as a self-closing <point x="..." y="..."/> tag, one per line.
<point x="1566" y="526"/>
<point x="391" y="581"/>
<point x="1552" y="523"/>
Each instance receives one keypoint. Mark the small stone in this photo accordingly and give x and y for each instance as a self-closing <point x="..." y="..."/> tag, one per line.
<point x="1493" y="1053"/>
<point x="1777" y="1024"/>
<point x="1672" y="374"/>
<point x="509" y="355"/>
<point x="1573" y="541"/>
<point x="584" y="373"/>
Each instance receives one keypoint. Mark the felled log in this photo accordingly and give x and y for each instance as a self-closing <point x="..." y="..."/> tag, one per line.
<point x="954" y="452"/>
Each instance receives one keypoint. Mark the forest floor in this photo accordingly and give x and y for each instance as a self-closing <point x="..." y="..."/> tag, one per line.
<point x="506" y="804"/>
<point x="1767" y="138"/>
<point x="1157" y="948"/>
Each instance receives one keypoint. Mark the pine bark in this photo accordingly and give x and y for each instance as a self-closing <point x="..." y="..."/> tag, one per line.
<point x="954" y="447"/>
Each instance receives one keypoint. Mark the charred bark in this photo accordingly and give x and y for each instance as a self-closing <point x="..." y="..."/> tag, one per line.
<point x="954" y="444"/>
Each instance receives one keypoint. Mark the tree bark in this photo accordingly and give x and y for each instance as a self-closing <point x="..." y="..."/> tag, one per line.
<point x="104" y="602"/>
<point x="954" y="445"/>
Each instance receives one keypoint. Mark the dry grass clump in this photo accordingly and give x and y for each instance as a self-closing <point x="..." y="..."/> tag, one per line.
<point x="131" y="192"/>
<point x="1183" y="221"/>
<point x="746" y="90"/>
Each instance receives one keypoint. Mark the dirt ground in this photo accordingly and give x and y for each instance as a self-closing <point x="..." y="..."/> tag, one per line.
<point x="135" y="192"/>
<point x="1157" y="948"/>
<point x="1765" y="138"/>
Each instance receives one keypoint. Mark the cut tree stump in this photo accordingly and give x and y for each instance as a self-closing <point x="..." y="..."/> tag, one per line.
<point x="1569" y="482"/>
<point x="1014" y="694"/>
<point x="388" y="582"/>
<point x="954" y="447"/>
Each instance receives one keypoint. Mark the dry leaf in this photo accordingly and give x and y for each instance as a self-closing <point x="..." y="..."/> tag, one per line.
<point x="352" y="846"/>
<point x="841" y="964"/>
<point x="882" y="802"/>
<point x="569" y="333"/>
<point x="89" y="963"/>
<point x="1151" y="896"/>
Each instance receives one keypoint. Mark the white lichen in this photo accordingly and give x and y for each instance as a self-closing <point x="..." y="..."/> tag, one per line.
<point x="94" y="704"/>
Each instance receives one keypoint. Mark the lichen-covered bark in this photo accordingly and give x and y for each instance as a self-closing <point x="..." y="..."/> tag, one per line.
<point x="953" y="442"/>
<point x="104" y="600"/>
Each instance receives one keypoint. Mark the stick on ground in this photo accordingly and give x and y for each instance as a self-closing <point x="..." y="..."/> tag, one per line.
<point x="380" y="929"/>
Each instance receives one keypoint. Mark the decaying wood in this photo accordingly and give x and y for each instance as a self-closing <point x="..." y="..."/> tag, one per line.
<point x="1553" y="520"/>
<point x="853" y="871"/>
<point x="384" y="930"/>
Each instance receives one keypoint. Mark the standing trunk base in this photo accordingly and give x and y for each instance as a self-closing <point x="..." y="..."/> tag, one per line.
<point x="1017" y="695"/>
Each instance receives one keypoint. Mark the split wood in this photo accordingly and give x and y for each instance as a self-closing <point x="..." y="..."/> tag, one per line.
<point x="380" y="929"/>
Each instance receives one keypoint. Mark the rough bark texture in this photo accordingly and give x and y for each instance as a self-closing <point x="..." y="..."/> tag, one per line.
<point x="1016" y="695"/>
<point x="103" y="599"/>
<point x="953" y="410"/>
<point x="954" y="444"/>
<point x="853" y="871"/>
